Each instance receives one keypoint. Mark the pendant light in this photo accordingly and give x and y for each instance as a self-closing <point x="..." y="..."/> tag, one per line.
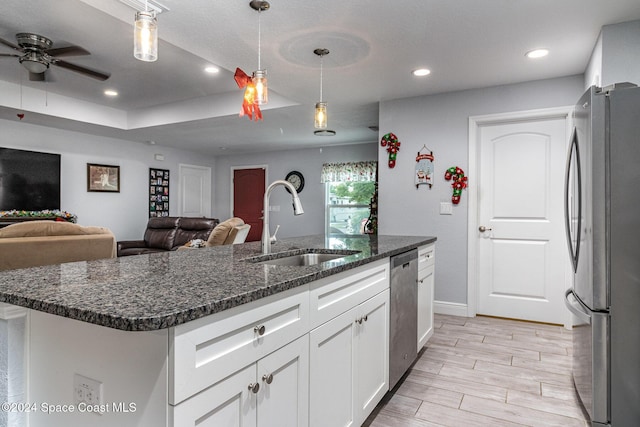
<point x="320" y="116"/>
<point x="320" y="121"/>
<point x="145" y="35"/>
<point x="259" y="77"/>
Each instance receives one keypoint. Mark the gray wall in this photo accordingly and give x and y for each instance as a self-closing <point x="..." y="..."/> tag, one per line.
<point x="279" y="163"/>
<point x="126" y="212"/>
<point x="441" y="123"/>
<point x="615" y="57"/>
<point x="621" y="53"/>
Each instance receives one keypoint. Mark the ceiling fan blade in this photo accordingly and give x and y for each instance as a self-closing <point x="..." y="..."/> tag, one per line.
<point x="11" y="45"/>
<point x="36" y="77"/>
<point x="67" y="51"/>
<point x="10" y="54"/>
<point x="98" y="75"/>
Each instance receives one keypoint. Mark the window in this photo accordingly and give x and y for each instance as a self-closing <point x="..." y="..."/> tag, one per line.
<point x="349" y="188"/>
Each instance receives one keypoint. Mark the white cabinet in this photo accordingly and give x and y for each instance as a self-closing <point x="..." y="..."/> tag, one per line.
<point x="349" y="364"/>
<point x="426" y="270"/>
<point x="272" y="392"/>
<point x="207" y="350"/>
<point x="372" y="354"/>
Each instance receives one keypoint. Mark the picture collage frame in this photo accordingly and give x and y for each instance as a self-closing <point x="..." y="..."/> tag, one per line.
<point x="158" y="192"/>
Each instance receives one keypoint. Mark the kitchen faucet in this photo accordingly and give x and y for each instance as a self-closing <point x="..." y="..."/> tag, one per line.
<point x="297" y="210"/>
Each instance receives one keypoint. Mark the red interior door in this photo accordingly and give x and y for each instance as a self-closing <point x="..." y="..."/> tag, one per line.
<point x="248" y="196"/>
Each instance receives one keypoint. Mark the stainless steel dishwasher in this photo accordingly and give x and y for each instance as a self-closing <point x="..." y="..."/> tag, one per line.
<point x="403" y="314"/>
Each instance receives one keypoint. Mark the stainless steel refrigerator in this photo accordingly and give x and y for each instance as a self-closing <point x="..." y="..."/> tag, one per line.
<point x="602" y="209"/>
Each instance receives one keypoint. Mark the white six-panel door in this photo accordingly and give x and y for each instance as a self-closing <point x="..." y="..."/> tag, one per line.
<point x="521" y="258"/>
<point x="195" y="191"/>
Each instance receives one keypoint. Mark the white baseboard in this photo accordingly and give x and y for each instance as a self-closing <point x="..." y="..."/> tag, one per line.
<point x="450" y="308"/>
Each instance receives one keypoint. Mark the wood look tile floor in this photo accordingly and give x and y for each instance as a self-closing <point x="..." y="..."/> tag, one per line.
<point x="486" y="372"/>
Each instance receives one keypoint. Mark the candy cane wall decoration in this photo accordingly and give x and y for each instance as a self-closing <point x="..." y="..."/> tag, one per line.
<point x="458" y="184"/>
<point x="393" y="146"/>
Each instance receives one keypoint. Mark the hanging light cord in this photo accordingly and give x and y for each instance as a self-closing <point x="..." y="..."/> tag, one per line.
<point x="259" y="37"/>
<point x="321" y="59"/>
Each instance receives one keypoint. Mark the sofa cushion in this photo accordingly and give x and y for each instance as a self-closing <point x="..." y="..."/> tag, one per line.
<point x="49" y="228"/>
<point x="161" y="232"/>
<point x="221" y="232"/>
<point x="193" y="228"/>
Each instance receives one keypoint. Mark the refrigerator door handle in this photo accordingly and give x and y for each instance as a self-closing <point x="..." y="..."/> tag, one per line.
<point x="573" y="160"/>
<point x="576" y="307"/>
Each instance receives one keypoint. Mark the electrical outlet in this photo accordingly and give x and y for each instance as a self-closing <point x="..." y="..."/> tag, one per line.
<point x="275" y="208"/>
<point x="87" y="390"/>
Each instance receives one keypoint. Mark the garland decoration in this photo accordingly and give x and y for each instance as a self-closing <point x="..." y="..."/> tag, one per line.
<point x="393" y="146"/>
<point x="56" y="214"/>
<point x="459" y="182"/>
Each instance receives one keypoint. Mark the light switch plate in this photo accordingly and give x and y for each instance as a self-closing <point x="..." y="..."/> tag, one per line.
<point x="446" y="208"/>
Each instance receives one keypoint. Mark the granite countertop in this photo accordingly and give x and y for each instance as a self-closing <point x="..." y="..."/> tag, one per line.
<point x="160" y="290"/>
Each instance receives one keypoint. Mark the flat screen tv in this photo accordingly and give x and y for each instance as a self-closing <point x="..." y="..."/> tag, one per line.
<point x="29" y="180"/>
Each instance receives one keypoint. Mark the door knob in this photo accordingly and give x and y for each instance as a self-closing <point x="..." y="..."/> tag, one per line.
<point x="482" y="229"/>
<point x="254" y="387"/>
<point x="267" y="378"/>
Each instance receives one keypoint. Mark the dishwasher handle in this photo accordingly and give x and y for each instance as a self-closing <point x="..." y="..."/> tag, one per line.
<point x="403" y="259"/>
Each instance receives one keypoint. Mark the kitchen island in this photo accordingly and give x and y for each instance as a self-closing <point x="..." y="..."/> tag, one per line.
<point x="157" y="331"/>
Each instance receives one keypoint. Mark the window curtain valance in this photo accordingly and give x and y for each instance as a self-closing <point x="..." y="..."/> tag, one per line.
<point x="349" y="172"/>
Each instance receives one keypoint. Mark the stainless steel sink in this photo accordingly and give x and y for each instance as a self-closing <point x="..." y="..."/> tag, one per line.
<point x="302" y="259"/>
<point x="297" y="259"/>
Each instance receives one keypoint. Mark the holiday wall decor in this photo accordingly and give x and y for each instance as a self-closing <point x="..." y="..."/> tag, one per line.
<point x="459" y="182"/>
<point x="424" y="167"/>
<point x="393" y="146"/>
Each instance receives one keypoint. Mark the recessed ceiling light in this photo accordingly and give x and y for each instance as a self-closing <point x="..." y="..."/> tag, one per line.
<point x="211" y="69"/>
<point x="421" y="72"/>
<point x="537" y="53"/>
<point x="110" y="92"/>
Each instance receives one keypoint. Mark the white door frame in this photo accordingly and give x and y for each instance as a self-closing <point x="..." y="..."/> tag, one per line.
<point x="235" y="168"/>
<point x="475" y="122"/>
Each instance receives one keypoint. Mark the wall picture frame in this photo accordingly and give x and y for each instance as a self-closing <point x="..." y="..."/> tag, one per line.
<point x="103" y="178"/>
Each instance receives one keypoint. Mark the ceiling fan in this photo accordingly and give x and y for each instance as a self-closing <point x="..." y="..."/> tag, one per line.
<point x="37" y="53"/>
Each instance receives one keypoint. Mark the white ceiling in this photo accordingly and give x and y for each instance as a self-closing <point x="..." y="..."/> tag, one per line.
<point x="374" y="46"/>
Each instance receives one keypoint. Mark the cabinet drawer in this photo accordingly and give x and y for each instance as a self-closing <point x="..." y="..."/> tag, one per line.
<point x="204" y="351"/>
<point x="426" y="256"/>
<point x="335" y="295"/>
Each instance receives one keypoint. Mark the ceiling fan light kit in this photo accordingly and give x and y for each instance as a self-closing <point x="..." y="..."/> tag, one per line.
<point x="145" y="36"/>
<point x="36" y="54"/>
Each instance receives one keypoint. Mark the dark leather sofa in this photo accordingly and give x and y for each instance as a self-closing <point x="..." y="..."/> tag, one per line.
<point x="168" y="234"/>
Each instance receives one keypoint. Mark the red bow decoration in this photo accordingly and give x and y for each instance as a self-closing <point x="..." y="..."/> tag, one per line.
<point x="248" y="106"/>
<point x="20" y="116"/>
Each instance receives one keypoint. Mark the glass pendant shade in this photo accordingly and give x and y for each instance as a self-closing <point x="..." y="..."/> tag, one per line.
<point x="259" y="78"/>
<point x="321" y="115"/>
<point x="145" y="37"/>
